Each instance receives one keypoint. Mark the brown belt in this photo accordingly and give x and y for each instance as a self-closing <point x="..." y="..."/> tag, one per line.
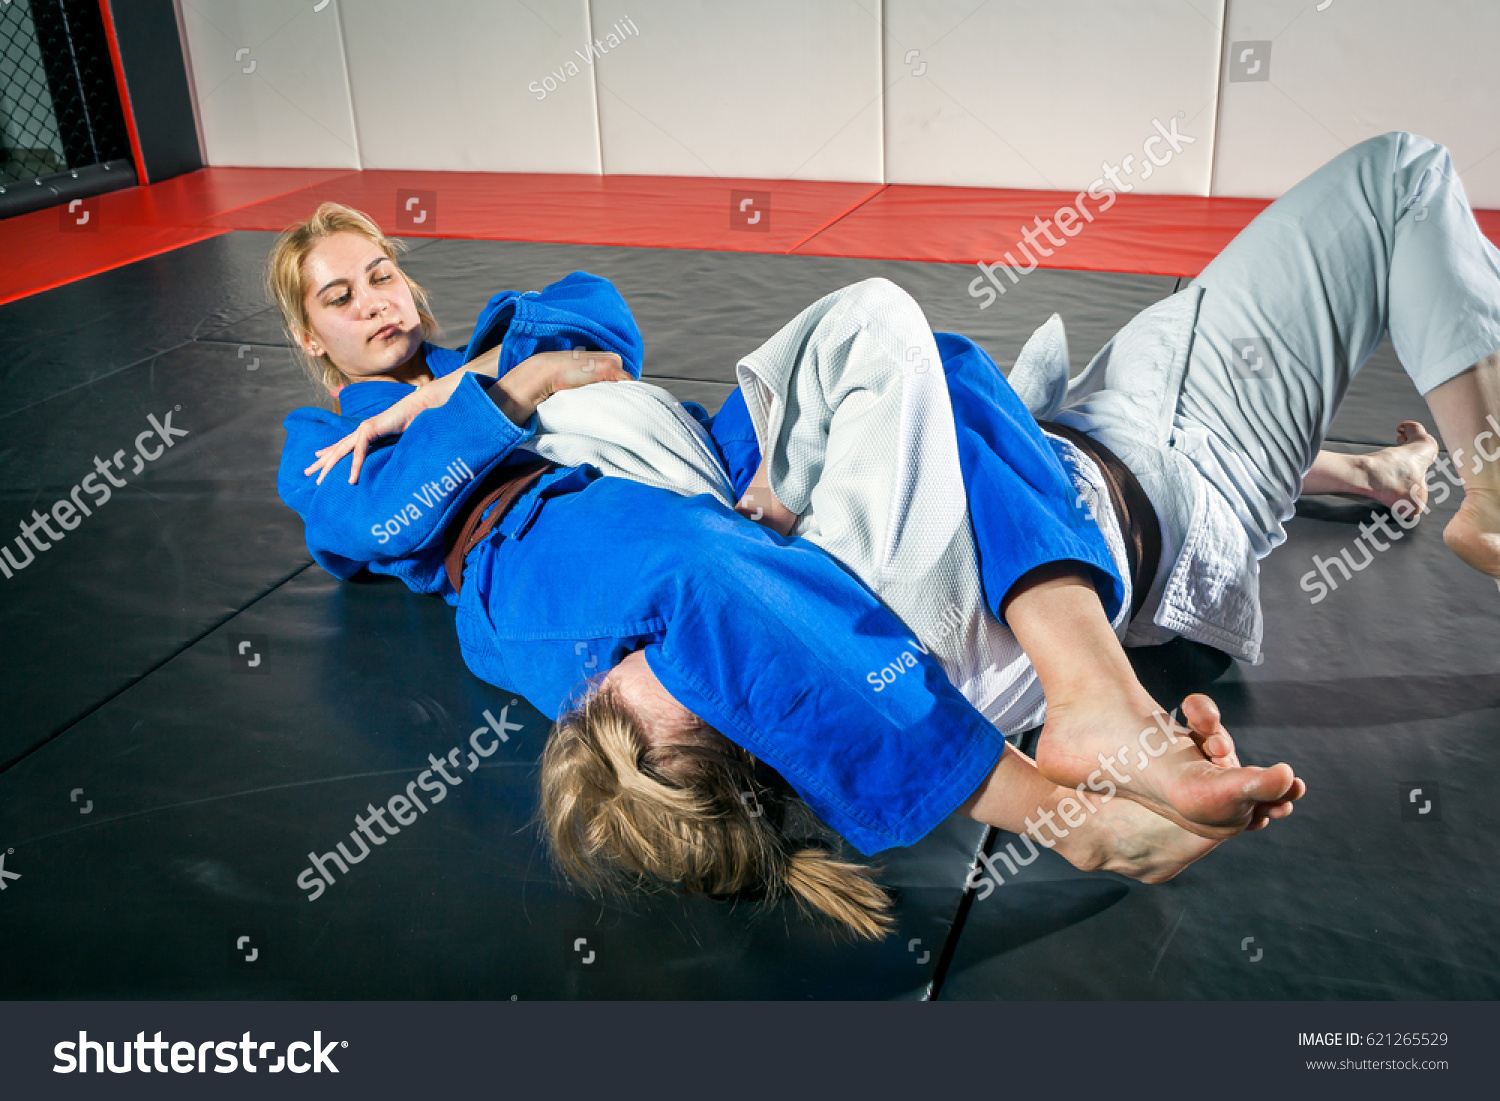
<point x="1138" y="521"/>
<point x="501" y="487"/>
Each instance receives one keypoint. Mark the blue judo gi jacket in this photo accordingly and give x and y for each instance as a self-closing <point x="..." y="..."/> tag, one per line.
<point x="767" y="639"/>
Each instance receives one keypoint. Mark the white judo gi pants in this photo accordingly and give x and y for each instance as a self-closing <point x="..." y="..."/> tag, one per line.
<point x="1380" y="238"/>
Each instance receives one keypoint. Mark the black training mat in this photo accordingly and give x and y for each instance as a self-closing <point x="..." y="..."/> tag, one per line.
<point x="1380" y="398"/>
<point x="191" y="537"/>
<point x="193" y="707"/>
<point x="153" y="835"/>
<point x="60" y="339"/>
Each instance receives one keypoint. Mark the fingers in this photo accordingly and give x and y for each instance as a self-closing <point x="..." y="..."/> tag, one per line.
<point x="361" y="445"/>
<point x="330" y="457"/>
<point x="581" y="367"/>
<point x="601" y="363"/>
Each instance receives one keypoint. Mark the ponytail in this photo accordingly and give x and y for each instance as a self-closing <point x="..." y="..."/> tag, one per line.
<point x="845" y="892"/>
<point x="620" y="814"/>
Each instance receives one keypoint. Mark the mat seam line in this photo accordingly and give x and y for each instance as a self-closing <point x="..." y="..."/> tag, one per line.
<point x="148" y="358"/>
<point x="101" y="378"/>
<point x="960" y="919"/>
<point x="268" y="198"/>
<point x="837" y="219"/>
<point x="186" y="646"/>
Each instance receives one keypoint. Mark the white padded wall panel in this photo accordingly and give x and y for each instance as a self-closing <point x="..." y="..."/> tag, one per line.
<point x="1350" y="72"/>
<point x="1025" y="94"/>
<point x="783" y="89"/>
<point x="444" y="86"/>
<point x="292" y="108"/>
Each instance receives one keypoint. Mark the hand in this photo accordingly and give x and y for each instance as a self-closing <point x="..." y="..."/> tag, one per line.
<point x="517" y="393"/>
<point x="392" y="421"/>
<point x="763" y="506"/>
<point x="556" y="371"/>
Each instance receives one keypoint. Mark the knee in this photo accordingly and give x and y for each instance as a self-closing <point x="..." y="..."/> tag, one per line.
<point x="877" y="293"/>
<point x="883" y="302"/>
<point x="1402" y="148"/>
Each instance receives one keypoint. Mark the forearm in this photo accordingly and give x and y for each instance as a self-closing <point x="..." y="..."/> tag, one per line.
<point x="1017" y="798"/>
<point x="1056" y="616"/>
<point x="516" y="395"/>
<point x="343" y="514"/>
<point x="760" y="504"/>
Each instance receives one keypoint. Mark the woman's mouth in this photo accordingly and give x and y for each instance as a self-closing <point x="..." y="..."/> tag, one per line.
<point x="385" y="331"/>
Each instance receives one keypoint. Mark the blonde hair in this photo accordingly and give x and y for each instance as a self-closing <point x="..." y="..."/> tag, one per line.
<point x="620" y="813"/>
<point x="287" y="285"/>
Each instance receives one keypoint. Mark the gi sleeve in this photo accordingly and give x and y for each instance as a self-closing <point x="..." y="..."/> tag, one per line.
<point x="394" y="509"/>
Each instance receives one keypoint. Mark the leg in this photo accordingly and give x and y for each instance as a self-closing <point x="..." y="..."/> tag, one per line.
<point x="1389" y="475"/>
<point x="1467" y="410"/>
<point x="903" y="481"/>
<point x="888" y="494"/>
<point x="1115" y="835"/>
<point x="1101" y="723"/>
<point x="1381" y="238"/>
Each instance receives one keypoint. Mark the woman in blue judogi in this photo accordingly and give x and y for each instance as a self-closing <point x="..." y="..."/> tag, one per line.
<point x="768" y="639"/>
<point x="1172" y="594"/>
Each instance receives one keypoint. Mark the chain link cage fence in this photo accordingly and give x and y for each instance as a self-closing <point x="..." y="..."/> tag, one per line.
<point x="59" y="105"/>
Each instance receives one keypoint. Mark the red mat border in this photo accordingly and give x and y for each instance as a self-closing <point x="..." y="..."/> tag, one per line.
<point x="1149" y="234"/>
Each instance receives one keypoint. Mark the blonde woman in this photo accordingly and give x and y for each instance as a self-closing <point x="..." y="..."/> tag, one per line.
<point x="556" y="572"/>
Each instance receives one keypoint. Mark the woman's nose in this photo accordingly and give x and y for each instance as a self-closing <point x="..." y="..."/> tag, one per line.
<point x="371" y="302"/>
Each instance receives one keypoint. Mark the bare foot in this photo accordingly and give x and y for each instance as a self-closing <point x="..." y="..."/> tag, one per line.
<point x="1189" y="775"/>
<point x="1137" y="843"/>
<point x="1474" y="534"/>
<point x="1400" y="473"/>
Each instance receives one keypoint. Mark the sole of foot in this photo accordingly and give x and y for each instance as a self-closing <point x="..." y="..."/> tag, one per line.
<point x="1474" y="534"/>
<point x="1164" y="767"/>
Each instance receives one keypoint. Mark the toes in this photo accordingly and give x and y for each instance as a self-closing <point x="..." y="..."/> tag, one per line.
<point x="1271" y="785"/>
<point x="1203" y="719"/>
<point x="1408" y="431"/>
<point x="1220" y="750"/>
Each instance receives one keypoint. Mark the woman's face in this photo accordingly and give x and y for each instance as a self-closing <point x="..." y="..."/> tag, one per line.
<point x="359" y="307"/>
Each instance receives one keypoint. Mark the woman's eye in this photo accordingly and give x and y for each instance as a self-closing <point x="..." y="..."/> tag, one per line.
<point x="339" y="301"/>
<point x="381" y="279"/>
